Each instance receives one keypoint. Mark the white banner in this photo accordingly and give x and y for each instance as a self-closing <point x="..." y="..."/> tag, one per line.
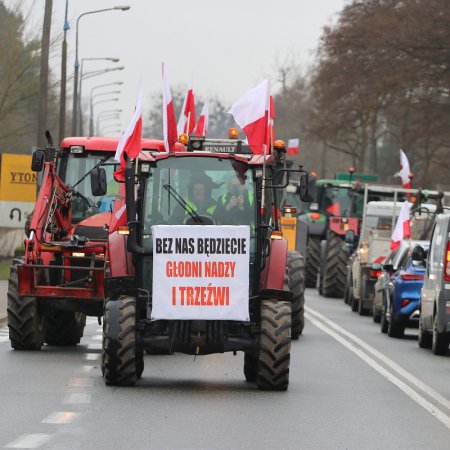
<point x="201" y="272"/>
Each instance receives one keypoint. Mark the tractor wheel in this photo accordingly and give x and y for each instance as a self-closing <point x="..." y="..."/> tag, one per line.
<point x="250" y="367"/>
<point x="274" y="346"/>
<point x="121" y="360"/>
<point x="312" y="261"/>
<point x="425" y="338"/>
<point x="296" y="282"/>
<point x="26" y="325"/>
<point x="64" y="328"/>
<point x="334" y="274"/>
<point x="439" y="343"/>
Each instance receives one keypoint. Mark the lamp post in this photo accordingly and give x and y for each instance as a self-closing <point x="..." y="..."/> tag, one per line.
<point x="62" y="95"/>
<point x="105" y="116"/>
<point x="91" y="111"/>
<point x="91" y="74"/>
<point x="77" y="64"/>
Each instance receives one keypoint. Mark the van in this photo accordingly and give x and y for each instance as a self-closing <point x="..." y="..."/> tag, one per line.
<point x="434" y="322"/>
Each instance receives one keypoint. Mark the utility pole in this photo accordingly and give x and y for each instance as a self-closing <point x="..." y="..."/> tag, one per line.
<point x="43" y="77"/>
<point x="62" y="98"/>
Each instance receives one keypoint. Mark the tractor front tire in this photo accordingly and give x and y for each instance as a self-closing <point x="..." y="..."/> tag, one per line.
<point x="334" y="274"/>
<point x="26" y="325"/>
<point x="274" y="346"/>
<point x="122" y="364"/>
<point x="312" y="261"/>
<point x="64" y="328"/>
<point x="296" y="282"/>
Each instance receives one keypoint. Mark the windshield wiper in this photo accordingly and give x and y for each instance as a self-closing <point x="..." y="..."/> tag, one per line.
<point x="182" y="202"/>
<point x="87" y="173"/>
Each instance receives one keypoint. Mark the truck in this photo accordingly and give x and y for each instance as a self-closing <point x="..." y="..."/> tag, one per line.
<point x="196" y="280"/>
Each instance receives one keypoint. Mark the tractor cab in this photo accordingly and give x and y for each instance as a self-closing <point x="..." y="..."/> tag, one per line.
<point x="208" y="262"/>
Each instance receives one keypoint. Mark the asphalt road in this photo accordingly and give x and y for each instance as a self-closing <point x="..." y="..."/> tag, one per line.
<point x="350" y="388"/>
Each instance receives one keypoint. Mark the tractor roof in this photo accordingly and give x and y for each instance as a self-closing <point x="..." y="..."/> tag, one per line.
<point x="108" y="144"/>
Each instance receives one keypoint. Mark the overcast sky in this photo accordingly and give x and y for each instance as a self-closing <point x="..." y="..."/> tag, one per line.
<point x="226" y="46"/>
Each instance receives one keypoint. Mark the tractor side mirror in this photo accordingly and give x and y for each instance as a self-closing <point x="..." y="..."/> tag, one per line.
<point x="98" y="181"/>
<point x="303" y="189"/>
<point x="350" y="237"/>
<point x="37" y="160"/>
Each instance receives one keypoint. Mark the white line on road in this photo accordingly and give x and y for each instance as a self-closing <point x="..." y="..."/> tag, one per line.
<point x="29" y="441"/>
<point x="411" y="393"/>
<point x="61" y="417"/>
<point x="384" y="359"/>
<point x="92" y="356"/>
<point x="81" y="382"/>
<point x="77" y="398"/>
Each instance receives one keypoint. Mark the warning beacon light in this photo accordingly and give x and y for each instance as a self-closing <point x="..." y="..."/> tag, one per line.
<point x="233" y="133"/>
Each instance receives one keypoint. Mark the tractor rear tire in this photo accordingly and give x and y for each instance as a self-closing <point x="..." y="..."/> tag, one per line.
<point x="274" y="346"/>
<point x="122" y="362"/>
<point x="312" y="261"/>
<point x="250" y="367"/>
<point x="296" y="282"/>
<point x="64" y="328"/>
<point x="334" y="274"/>
<point x="26" y="325"/>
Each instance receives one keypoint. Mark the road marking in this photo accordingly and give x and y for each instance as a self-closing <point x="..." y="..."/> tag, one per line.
<point x="97" y="337"/>
<point x="77" y="398"/>
<point x="85" y="369"/>
<point x="4" y="334"/>
<point x="29" y="441"/>
<point x="410" y="392"/>
<point x="81" y="382"/>
<point x="61" y="417"/>
<point x="95" y="346"/>
<point x="92" y="356"/>
<point x="383" y="358"/>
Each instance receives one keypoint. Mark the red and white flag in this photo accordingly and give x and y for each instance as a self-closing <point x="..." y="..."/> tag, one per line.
<point x="186" y="122"/>
<point x="202" y="124"/>
<point x="251" y="113"/>
<point x="169" y="122"/>
<point x="130" y="141"/>
<point x="402" y="228"/>
<point x="405" y="170"/>
<point x="293" y="146"/>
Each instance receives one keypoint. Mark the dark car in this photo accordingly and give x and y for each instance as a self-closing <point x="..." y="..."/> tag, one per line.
<point x="401" y="291"/>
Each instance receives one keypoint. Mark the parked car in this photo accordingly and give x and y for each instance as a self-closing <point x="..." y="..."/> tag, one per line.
<point x="398" y="289"/>
<point x="434" y="323"/>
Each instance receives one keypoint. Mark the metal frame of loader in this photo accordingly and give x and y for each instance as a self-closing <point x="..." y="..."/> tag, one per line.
<point x="363" y="274"/>
<point x="265" y="339"/>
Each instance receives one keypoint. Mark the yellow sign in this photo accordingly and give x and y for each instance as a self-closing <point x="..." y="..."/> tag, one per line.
<point x="17" y="180"/>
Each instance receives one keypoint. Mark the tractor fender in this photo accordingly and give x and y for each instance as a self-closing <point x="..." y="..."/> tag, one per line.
<point x="120" y="260"/>
<point x="274" y="270"/>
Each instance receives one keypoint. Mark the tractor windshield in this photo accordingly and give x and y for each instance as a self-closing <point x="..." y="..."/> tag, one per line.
<point x="337" y="201"/>
<point x="199" y="191"/>
<point x="84" y="204"/>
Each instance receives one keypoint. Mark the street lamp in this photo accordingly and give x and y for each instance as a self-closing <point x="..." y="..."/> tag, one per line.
<point x="91" y="107"/>
<point x="77" y="64"/>
<point x="62" y="95"/>
<point x="82" y="76"/>
<point x="106" y="115"/>
<point x="91" y="112"/>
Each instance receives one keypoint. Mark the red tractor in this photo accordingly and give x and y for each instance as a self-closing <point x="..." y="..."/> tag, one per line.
<point x="60" y="279"/>
<point x="205" y="266"/>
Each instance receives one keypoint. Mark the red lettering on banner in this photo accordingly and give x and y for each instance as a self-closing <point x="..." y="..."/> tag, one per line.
<point x="201" y="295"/>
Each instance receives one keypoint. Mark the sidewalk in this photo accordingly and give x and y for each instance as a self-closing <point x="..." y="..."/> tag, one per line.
<point x="3" y="301"/>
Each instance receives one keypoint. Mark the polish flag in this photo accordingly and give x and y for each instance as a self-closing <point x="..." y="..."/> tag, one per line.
<point x="186" y="123"/>
<point x="130" y="141"/>
<point x="293" y="146"/>
<point x="202" y="124"/>
<point x="169" y="122"/>
<point x="251" y="113"/>
<point x="402" y="228"/>
<point x="405" y="170"/>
